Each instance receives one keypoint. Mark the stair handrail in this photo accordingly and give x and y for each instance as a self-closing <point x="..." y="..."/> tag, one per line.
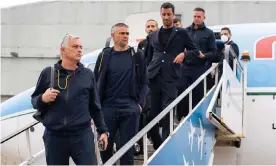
<point x="27" y="127"/>
<point x="160" y="116"/>
<point x="236" y="62"/>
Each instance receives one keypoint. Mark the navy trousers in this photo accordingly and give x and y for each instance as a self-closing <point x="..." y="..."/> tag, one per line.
<point x="126" y="120"/>
<point x="163" y="92"/>
<point x="59" y="147"/>
<point x="188" y="77"/>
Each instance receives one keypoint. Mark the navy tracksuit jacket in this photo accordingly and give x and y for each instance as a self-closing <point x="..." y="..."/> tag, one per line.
<point x="204" y="39"/>
<point x="67" y="120"/>
<point x="121" y="90"/>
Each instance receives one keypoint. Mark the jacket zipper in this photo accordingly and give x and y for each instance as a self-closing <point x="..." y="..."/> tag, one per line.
<point x="66" y="102"/>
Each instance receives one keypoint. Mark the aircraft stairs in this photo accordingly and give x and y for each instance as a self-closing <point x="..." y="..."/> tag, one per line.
<point x="192" y="141"/>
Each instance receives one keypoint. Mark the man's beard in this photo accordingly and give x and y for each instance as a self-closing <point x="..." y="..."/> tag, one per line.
<point x="123" y="44"/>
<point x="167" y="23"/>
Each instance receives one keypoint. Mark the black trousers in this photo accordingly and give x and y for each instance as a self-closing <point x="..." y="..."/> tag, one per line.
<point x="58" y="148"/>
<point x="189" y="76"/>
<point x="126" y="120"/>
<point x="163" y="92"/>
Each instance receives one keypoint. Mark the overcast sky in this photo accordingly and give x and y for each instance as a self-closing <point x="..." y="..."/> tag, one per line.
<point x="8" y="3"/>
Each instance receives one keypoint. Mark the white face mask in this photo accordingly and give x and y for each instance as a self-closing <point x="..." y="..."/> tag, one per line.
<point x="224" y="38"/>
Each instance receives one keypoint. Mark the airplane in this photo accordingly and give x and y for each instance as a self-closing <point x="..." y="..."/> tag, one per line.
<point x="191" y="134"/>
<point x="258" y="38"/>
<point x="200" y="138"/>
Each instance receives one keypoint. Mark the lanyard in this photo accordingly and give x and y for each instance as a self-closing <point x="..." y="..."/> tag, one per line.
<point x="66" y="81"/>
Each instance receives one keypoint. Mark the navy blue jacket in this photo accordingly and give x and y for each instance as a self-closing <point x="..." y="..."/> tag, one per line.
<point x="139" y="85"/>
<point x="162" y="57"/>
<point x="74" y="106"/>
<point x="205" y="41"/>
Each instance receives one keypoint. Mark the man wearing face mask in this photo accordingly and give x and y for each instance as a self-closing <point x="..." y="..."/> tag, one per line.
<point x="204" y="39"/>
<point x="226" y="38"/>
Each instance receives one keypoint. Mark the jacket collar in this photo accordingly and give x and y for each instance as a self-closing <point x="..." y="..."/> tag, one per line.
<point x="173" y="33"/>
<point x="200" y="27"/>
<point x="58" y="66"/>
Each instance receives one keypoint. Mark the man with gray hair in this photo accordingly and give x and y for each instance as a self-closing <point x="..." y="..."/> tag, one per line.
<point x="122" y="79"/>
<point x="68" y="107"/>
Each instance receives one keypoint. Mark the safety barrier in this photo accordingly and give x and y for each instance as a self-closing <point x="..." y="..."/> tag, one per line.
<point x="33" y="157"/>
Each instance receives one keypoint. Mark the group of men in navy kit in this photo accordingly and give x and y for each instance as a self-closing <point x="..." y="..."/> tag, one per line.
<point x="176" y="58"/>
<point x="161" y="59"/>
<point x="169" y="60"/>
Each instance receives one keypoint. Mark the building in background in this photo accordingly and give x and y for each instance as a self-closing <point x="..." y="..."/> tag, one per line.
<point x="31" y="33"/>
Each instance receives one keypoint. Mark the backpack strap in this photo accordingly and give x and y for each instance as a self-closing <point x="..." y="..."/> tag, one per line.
<point x="137" y="60"/>
<point x="133" y="50"/>
<point x="105" y="50"/>
<point x="101" y="61"/>
<point x="52" y="77"/>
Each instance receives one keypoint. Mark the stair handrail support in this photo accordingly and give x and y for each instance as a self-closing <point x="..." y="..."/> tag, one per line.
<point x="243" y="80"/>
<point x="32" y="157"/>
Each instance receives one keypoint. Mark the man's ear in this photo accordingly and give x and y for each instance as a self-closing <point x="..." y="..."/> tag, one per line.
<point x="62" y="49"/>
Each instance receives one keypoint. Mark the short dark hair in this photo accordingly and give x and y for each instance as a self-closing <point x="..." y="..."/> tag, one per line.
<point x="226" y="29"/>
<point x="156" y="23"/>
<point x="176" y="20"/>
<point x="118" y="25"/>
<point x="199" y="9"/>
<point x="167" y="5"/>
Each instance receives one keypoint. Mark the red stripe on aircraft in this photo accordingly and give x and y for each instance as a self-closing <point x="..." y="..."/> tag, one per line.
<point x="264" y="47"/>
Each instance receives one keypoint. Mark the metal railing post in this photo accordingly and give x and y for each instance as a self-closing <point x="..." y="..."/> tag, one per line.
<point x="28" y="143"/>
<point x="205" y="86"/>
<point x="245" y="61"/>
<point x="235" y="66"/>
<point x="171" y="122"/>
<point x="145" y="146"/>
<point x="216" y="75"/>
<point x="97" y="150"/>
<point x="190" y="101"/>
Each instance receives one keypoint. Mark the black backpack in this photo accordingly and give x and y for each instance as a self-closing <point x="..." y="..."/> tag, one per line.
<point x="38" y="115"/>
